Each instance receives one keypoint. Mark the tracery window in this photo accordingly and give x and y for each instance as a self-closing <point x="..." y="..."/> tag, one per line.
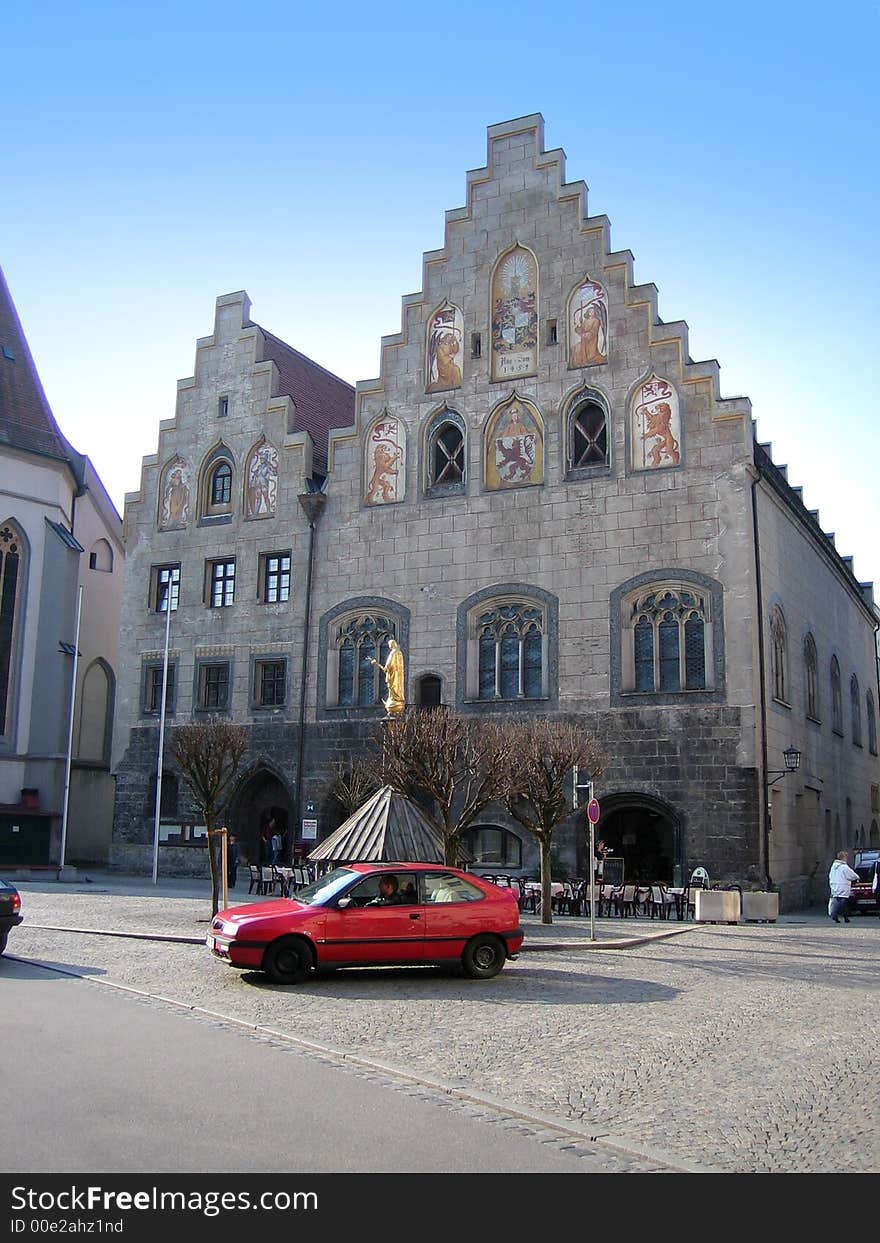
<point x="587" y="436"/>
<point x="668" y="633"/>
<point x="511" y="650"/>
<point x="811" y="674"/>
<point x="872" y="723"/>
<point x="836" y="699"/>
<point x="855" y="704"/>
<point x="779" y="654"/>
<point x="358" y="641"/>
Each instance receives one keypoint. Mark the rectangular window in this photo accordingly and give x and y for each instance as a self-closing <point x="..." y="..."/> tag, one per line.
<point x="271" y="683"/>
<point x="214" y="686"/>
<point x="275" y="577"/>
<point x="166" y="584"/>
<point x="476" y="345"/>
<point x="222" y="585"/>
<point x="551" y="332"/>
<point x="153" y="688"/>
<point x="222" y="407"/>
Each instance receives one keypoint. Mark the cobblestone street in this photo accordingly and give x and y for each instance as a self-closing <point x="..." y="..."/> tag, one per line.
<point x="724" y="1048"/>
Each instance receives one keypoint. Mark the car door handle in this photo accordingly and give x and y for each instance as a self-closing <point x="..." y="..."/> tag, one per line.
<point x="414" y="915"/>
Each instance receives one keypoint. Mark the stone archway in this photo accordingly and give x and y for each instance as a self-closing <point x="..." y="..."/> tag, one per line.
<point x="646" y="833"/>
<point x="260" y="795"/>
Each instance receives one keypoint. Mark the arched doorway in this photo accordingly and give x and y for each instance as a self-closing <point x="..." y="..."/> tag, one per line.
<point x="261" y="795"/>
<point x="646" y="834"/>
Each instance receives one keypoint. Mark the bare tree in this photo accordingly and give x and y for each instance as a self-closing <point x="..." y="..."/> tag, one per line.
<point x="208" y="754"/>
<point x="452" y="765"/>
<point x="352" y="784"/>
<point x="544" y="753"/>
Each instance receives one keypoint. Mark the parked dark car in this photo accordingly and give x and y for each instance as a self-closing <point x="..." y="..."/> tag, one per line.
<point x="370" y="915"/>
<point x="865" y="896"/>
<point x="10" y="911"/>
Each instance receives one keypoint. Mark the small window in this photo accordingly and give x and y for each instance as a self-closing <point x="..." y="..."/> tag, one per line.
<point x="153" y="674"/>
<point x="222" y="407"/>
<point x="213" y="688"/>
<point x="428" y="691"/>
<point x="274" y="580"/>
<point x="552" y="338"/>
<point x="221" y="584"/>
<point x="221" y="485"/>
<point x="165" y="587"/>
<point x="493" y="846"/>
<point x="855" y="699"/>
<point x="270" y="689"/>
<point x="101" y="556"/>
<point x="476" y="345"/>
<point x="446" y="454"/>
<point x="836" y="698"/>
<point x="8" y="353"/>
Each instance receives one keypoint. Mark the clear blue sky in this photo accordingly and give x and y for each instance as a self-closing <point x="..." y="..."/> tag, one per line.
<point x="155" y="157"/>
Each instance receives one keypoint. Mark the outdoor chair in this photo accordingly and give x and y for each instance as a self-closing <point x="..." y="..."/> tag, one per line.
<point x="661" y="902"/>
<point x="642" y="900"/>
<point x="624" y="900"/>
<point x="270" y="880"/>
<point x="256" y="879"/>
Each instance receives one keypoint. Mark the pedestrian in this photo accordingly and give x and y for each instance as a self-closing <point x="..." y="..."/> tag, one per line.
<point x="276" y="847"/>
<point x="231" y="861"/>
<point x="840" y="879"/>
<point x="599" y="862"/>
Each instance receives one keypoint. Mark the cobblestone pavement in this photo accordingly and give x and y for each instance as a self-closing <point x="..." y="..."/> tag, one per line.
<point x="749" y="1048"/>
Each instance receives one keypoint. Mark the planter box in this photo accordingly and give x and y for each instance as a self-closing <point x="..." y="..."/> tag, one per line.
<point x="760" y="906"/>
<point x="717" y="906"/>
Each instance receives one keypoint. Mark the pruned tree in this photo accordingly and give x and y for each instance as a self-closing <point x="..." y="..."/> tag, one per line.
<point x="451" y="765"/>
<point x="352" y="784"/>
<point x="544" y="752"/>
<point x="208" y="754"/>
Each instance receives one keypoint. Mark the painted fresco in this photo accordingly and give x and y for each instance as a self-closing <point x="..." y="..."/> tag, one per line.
<point x="514" y="446"/>
<point x="445" y="346"/>
<point x="174" y="495"/>
<point x="515" y="315"/>
<point x="656" y="425"/>
<point x="588" y="325"/>
<point x="261" y="476"/>
<point x="384" y="462"/>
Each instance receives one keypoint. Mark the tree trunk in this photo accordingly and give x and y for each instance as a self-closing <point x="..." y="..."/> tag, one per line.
<point x="546" y="906"/>
<point x="450" y="850"/>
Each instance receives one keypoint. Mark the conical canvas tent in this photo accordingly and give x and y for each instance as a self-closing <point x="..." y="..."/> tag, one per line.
<point x="387" y="828"/>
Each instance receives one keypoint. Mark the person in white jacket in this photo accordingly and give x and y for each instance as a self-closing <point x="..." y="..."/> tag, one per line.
<point x="840" y="878"/>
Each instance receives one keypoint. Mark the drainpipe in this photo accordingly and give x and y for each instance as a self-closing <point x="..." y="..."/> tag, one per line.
<point x="313" y="504"/>
<point x="765" y="789"/>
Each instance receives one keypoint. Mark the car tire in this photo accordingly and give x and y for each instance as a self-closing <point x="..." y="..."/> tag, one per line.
<point x="287" y="961"/>
<point x="483" y="957"/>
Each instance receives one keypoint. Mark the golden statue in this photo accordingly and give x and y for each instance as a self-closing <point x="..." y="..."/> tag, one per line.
<point x="393" y="670"/>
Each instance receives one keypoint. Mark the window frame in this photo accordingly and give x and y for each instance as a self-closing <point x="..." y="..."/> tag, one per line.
<point x="157" y="582"/>
<point x="223" y="581"/>
<point x="258" y="664"/>
<point x="151" y="669"/>
<point x="579" y="401"/>
<point x="836" y="697"/>
<point x="778" y="634"/>
<point x="434" y="430"/>
<point x="811" y="679"/>
<point x="855" y="710"/>
<point x="264" y="576"/>
<point x="470" y="611"/>
<point x="203" y="665"/>
<point x="331" y="623"/>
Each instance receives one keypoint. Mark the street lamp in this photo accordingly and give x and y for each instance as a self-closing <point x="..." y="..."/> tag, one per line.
<point x="792" y="758"/>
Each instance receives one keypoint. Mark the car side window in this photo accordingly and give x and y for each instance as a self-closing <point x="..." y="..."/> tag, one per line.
<point x="403" y="891"/>
<point x="446" y="887"/>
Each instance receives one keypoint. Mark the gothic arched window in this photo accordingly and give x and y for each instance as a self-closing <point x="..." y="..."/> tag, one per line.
<point x="872" y="723"/>
<point x="811" y="677"/>
<point x="356" y="640"/>
<point x="836" y="699"/>
<point x="217" y="486"/>
<point x="510" y="642"/>
<point x="446" y="460"/>
<point x="668" y="646"/>
<point x="855" y="706"/>
<point x="587" y="436"/>
<point x="779" y="654"/>
<point x="11" y="590"/>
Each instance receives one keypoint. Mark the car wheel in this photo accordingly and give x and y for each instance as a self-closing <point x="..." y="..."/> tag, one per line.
<point x="483" y="957"/>
<point x="287" y="961"/>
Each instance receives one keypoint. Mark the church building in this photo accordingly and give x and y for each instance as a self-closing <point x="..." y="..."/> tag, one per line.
<point x="552" y="509"/>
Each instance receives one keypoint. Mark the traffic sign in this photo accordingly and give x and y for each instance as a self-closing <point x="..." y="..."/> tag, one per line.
<point x="593" y="811"/>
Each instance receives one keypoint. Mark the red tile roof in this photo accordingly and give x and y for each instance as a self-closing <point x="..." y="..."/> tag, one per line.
<point x="322" y="400"/>
<point x="26" y="422"/>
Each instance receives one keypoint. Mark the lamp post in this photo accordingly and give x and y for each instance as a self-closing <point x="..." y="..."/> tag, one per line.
<point x="75" y="654"/>
<point x="168" y="599"/>
<point x="792" y="759"/>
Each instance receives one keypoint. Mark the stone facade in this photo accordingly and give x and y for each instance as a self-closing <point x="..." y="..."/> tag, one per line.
<point x="551" y="507"/>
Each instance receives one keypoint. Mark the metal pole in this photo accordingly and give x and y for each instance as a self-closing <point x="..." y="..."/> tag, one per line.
<point x="79" y="600"/>
<point x="592" y="871"/>
<point x="224" y="854"/>
<point x="161" y="735"/>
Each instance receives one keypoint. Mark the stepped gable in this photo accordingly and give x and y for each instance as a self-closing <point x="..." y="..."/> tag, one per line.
<point x="26" y="421"/>
<point x="322" y="400"/>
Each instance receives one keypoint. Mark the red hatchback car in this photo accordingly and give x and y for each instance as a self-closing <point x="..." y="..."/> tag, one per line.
<point x="368" y="914"/>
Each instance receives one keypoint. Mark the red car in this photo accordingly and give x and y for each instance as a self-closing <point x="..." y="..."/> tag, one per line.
<point x="865" y="897"/>
<point x="368" y="914"/>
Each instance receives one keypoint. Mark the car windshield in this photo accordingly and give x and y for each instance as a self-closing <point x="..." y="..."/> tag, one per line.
<point x="326" y="887"/>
